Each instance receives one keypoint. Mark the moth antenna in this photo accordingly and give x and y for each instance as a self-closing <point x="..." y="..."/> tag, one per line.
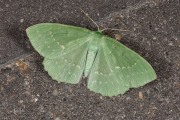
<point x="113" y="29"/>
<point x="90" y="18"/>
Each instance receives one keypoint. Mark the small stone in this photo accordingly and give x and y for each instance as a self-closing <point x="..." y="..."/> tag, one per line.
<point x="57" y="118"/>
<point x="55" y="92"/>
<point x="34" y="99"/>
<point x="20" y="101"/>
<point x="117" y="37"/>
<point x="7" y="5"/>
<point x="170" y="44"/>
<point x="141" y="96"/>
<point x="21" y="20"/>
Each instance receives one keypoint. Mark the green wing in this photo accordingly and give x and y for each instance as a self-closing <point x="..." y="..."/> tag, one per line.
<point x="63" y="47"/>
<point x="117" y="68"/>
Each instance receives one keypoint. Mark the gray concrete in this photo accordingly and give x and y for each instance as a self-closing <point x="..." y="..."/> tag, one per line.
<point x="27" y="92"/>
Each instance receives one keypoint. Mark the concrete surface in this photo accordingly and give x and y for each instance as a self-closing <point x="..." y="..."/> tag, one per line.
<point x="27" y="92"/>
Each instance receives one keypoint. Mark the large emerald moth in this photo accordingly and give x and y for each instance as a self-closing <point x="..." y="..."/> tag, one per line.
<point x="71" y="53"/>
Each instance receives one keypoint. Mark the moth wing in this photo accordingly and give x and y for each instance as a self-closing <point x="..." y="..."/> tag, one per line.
<point x="53" y="40"/>
<point x="69" y="67"/>
<point x="63" y="47"/>
<point x="118" y="68"/>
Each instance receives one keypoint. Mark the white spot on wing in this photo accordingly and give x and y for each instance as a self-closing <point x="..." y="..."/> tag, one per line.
<point x="96" y="72"/>
<point x="117" y="67"/>
<point x="123" y="67"/>
<point x="78" y="66"/>
<point x="62" y="46"/>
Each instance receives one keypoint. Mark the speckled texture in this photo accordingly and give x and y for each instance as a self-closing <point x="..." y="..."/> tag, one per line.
<point x="28" y="92"/>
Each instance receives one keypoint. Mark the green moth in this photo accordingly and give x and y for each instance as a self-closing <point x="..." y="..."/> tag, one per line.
<point x="72" y="52"/>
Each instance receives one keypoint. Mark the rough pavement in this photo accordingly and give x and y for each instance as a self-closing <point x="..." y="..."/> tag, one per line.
<point x="28" y="92"/>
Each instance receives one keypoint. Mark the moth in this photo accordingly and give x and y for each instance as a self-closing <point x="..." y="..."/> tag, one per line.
<point x="72" y="52"/>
